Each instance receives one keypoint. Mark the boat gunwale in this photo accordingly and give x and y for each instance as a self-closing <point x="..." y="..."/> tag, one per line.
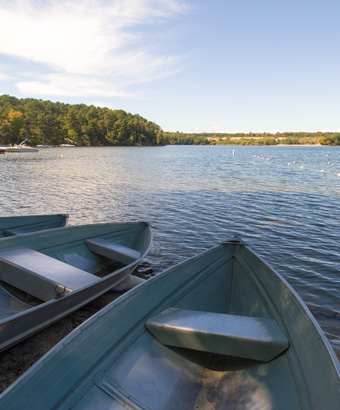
<point x="283" y="283"/>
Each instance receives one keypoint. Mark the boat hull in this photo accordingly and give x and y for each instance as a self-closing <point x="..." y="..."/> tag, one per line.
<point x="19" y="320"/>
<point x="112" y="363"/>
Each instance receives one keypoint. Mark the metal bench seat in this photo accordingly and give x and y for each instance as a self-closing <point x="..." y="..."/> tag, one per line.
<point x="40" y="275"/>
<point x="240" y="336"/>
<point x="112" y="250"/>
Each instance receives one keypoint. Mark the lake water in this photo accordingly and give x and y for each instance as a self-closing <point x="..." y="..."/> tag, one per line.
<point x="284" y="201"/>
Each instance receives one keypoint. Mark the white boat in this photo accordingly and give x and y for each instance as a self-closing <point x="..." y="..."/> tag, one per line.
<point x="66" y="145"/>
<point x="22" y="147"/>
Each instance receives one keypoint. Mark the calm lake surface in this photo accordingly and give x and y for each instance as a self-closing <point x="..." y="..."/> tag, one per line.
<point x="284" y="201"/>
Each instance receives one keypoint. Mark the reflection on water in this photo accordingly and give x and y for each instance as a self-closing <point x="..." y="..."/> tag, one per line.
<point x="283" y="200"/>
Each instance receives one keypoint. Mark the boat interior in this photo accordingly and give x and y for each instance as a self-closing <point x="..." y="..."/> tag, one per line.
<point x="231" y="350"/>
<point x="222" y="331"/>
<point x="29" y="276"/>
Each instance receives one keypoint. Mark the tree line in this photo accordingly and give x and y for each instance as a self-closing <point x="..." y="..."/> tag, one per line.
<point x="45" y="122"/>
<point x="264" y="138"/>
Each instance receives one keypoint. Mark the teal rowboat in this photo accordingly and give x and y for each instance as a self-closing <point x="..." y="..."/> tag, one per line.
<point x="46" y="275"/>
<point x="222" y="330"/>
<point x="14" y="225"/>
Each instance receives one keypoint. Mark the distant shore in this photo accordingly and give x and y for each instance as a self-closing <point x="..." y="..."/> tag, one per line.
<point x="301" y="145"/>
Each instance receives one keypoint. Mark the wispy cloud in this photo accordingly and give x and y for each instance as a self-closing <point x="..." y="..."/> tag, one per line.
<point x="87" y="47"/>
<point x="5" y="76"/>
<point x="71" y="85"/>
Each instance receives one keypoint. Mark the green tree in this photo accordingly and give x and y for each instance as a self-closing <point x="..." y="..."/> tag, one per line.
<point x="16" y="122"/>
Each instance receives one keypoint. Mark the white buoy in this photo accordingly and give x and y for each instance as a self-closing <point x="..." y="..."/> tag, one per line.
<point x="233" y="152"/>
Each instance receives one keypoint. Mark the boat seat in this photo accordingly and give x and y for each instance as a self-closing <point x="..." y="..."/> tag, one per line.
<point x="40" y="275"/>
<point x="112" y="250"/>
<point x="240" y="336"/>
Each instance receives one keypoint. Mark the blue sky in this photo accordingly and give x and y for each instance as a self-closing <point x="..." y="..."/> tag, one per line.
<point x="191" y="66"/>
